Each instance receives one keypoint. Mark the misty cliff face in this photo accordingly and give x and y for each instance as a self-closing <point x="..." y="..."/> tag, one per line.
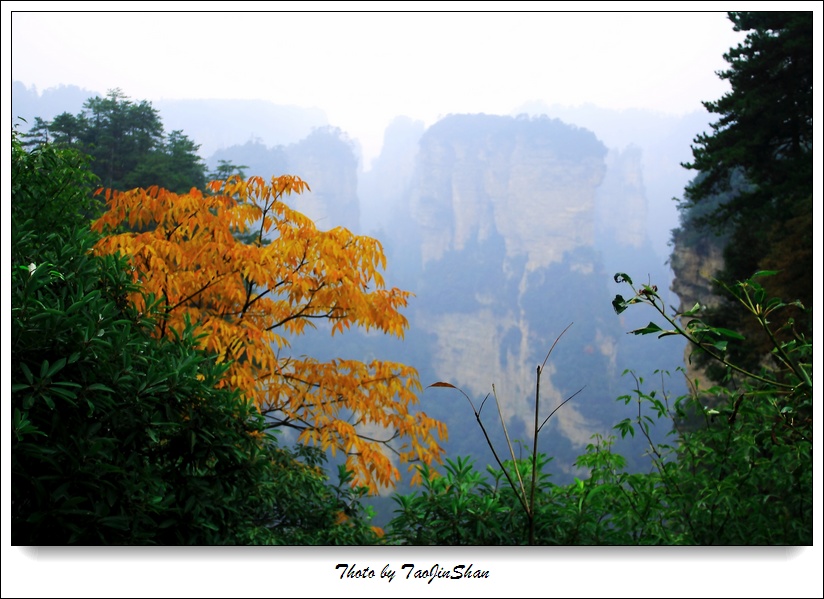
<point x="389" y="177"/>
<point x="695" y="263"/>
<point x="694" y="268"/>
<point x="507" y="220"/>
<point x="325" y="159"/>
<point x="532" y="181"/>
<point x="622" y="200"/>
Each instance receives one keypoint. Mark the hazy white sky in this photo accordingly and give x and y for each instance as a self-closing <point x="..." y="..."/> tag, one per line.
<point x="363" y="69"/>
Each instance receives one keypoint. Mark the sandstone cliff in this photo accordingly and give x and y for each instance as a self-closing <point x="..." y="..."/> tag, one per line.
<point x="511" y="217"/>
<point x="325" y="159"/>
<point x="695" y="262"/>
<point x="621" y="199"/>
<point x="533" y="181"/>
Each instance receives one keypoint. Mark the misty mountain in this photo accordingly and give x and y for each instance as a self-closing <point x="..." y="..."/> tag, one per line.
<point x="28" y="103"/>
<point x="325" y="158"/>
<point x="214" y="124"/>
<point x="664" y="141"/>
<point x="217" y="124"/>
<point x="508" y="230"/>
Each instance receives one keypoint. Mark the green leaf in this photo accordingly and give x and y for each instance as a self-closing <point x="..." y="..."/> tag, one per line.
<point x="668" y="334"/>
<point x="729" y="333"/>
<point x="119" y="522"/>
<point x="27" y="373"/>
<point x="765" y="273"/>
<point x="649" y="329"/>
<point x="99" y="387"/>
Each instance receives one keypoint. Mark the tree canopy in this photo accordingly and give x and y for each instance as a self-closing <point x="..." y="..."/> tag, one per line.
<point x="251" y="274"/>
<point x="127" y="144"/>
<point x="755" y="167"/>
<point x="765" y="125"/>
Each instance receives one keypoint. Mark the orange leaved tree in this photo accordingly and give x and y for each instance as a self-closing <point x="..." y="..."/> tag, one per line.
<point x="252" y="273"/>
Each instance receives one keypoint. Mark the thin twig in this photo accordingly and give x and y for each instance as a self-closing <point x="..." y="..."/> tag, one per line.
<point x="509" y="444"/>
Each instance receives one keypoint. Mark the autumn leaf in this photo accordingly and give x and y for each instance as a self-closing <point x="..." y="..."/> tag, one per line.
<point x="252" y="272"/>
<point x="442" y="384"/>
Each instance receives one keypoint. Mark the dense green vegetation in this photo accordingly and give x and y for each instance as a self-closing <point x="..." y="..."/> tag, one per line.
<point x="119" y="437"/>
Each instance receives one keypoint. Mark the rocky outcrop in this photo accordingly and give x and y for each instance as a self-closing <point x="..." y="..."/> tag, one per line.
<point x="622" y="200"/>
<point x="532" y="181"/>
<point x="509" y="212"/>
<point x="326" y="160"/>
<point x="695" y="263"/>
<point x="382" y="186"/>
<point x="694" y="268"/>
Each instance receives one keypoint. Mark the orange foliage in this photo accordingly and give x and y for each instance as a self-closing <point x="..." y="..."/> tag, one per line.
<point x="250" y="296"/>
